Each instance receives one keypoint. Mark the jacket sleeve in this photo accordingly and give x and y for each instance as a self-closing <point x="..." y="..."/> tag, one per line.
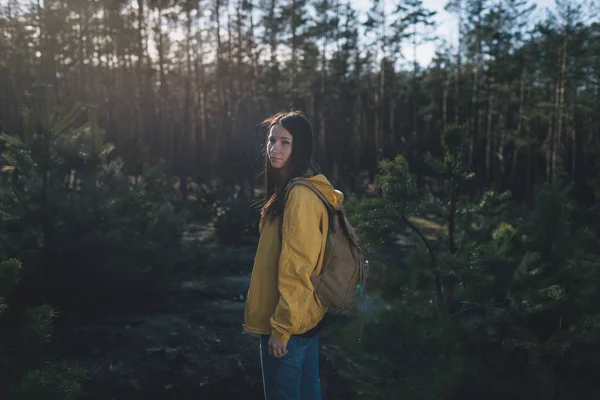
<point x="300" y="251"/>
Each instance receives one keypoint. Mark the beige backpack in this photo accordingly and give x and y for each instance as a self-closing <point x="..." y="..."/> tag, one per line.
<point x="345" y="269"/>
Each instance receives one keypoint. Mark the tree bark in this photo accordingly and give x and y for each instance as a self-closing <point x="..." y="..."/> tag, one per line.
<point x="488" y="140"/>
<point x="141" y="89"/>
<point x="550" y="139"/>
<point x="189" y="130"/>
<point x="294" y="44"/>
<point x="561" y="103"/>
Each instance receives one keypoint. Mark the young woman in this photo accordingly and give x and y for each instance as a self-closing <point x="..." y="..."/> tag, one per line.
<point x="282" y="306"/>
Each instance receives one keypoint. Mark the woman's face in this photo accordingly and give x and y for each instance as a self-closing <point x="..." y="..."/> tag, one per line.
<point x="279" y="146"/>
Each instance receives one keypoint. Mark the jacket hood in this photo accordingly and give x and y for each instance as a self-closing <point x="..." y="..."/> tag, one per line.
<point x="333" y="196"/>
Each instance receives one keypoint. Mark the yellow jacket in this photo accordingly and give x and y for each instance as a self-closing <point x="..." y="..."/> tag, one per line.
<point x="281" y="299"/>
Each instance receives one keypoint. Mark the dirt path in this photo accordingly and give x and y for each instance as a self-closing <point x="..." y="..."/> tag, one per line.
<point x="185" y="342"/>
<point x="190" y="348"/>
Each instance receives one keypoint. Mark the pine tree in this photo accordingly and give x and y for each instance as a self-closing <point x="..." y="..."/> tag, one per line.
<point x="24" y="333"/>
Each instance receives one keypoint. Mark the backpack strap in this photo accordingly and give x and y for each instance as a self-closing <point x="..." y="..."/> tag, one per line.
<point x="311" y="187"/>
<point x="330" y="209"/>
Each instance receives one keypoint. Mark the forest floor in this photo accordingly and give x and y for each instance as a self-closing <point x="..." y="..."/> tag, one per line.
<point x="186" y="342"/>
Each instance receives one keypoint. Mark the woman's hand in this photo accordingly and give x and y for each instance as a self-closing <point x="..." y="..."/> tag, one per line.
<point x="277" y="348"/>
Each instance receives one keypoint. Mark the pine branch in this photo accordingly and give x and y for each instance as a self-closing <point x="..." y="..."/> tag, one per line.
<point x="438" y="281"/>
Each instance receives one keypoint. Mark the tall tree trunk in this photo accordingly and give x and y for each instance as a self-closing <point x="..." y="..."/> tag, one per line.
<point x="378" y="113"/>
<point x="189" y="140"/>
<point x="488" y="141"/>
<point x="416" y="146"/>
<point x="473" y="120"/>
<point x="521" y="101"/>
<point x="457" y="89"/>
<point x="457" y="71"/>
<point x="380" y="99"/>
<point x="294" y="43"/>
<point x="82" y="31"/>
<point x="230" y="115"/>
<point x="575" y="140"/>
<point x="164" y="136"/>
<point x="141" y="55"/>
<point x="108" y="81"/>
<point x="445" y="106"/>
<point x="561" y="103"/>
<point x="323" y="103"/>
<point x="239" y="107"/>
<point x="216" y="153"/>
<point x="241" y="78"/>
<point x="519" y="132"/>
<point x="503" y="137"/>
<point x="551" y="140"/>
<point x="201" y="89"/>
<point x="273" y="55"/>
<point x="252" y="51"/>
<point x="358" y="113"/>
<point x="392" y="116"/>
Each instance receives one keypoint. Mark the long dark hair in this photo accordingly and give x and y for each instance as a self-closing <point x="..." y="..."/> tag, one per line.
<point x="300" y="162"/>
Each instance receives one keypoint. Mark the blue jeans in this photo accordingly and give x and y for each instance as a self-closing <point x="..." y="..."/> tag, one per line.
<point x="295" y="376"/>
